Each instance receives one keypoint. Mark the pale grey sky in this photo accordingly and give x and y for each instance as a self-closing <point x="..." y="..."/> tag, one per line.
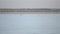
<point x="29" y="3"/>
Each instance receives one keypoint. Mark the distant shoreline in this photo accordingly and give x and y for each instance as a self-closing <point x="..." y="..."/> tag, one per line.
<point x="28" y="10"/>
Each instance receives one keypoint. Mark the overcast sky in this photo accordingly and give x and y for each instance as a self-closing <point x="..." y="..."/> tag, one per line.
<point x="29" y="3"/>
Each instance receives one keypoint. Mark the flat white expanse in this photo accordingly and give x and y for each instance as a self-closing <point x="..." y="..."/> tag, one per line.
<point x="29" y="23"/>
<point x="29" y="4"/>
